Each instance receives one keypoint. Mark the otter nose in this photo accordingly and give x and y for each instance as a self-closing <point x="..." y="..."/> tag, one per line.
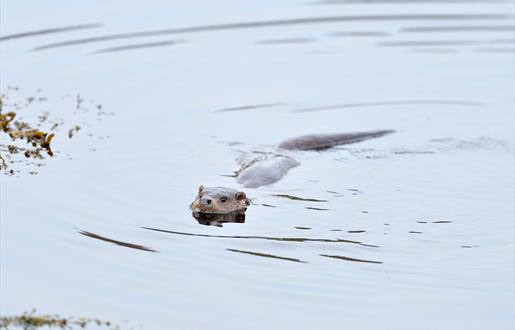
<point x="205" y="201"/>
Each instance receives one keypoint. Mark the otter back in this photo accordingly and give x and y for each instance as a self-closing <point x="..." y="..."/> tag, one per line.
<point x="324" y="141"/>
<point x="264" y="168"/>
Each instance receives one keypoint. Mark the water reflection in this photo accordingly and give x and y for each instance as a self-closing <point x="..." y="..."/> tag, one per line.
<point x="209" y="219"/>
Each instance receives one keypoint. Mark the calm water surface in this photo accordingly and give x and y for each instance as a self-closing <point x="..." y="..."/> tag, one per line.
<point x="413" y="230"/>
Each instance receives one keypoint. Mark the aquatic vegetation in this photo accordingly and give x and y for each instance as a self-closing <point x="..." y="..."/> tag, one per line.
<point x="32" y="142"/>
<point x="73" y="130"/>
<point x="28" y="139"/>
<point x="31" y="321"/>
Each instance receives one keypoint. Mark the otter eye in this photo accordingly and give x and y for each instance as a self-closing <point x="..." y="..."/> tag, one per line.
<point x="223" y="199"/>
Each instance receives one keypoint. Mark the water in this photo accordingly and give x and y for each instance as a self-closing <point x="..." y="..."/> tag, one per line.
<point x="104" y="230"/>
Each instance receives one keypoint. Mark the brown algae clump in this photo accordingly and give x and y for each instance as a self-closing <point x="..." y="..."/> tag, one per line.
<point x="33" y="143"/>
<point x="31" y="321"/>
<point x="28" y="141"/>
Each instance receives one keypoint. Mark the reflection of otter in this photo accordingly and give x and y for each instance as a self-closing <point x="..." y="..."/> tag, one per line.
<point x="262" y="168"/>
<point x="212" y="219"/>
<point x="219" y="200"/>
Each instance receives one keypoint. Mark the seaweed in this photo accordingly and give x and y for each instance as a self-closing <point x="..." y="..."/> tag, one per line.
<point x="29" y="141"/>
<point x="73" y="130"/>
<point x="31" y="321"/>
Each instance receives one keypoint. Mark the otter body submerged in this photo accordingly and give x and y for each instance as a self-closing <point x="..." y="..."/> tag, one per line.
<point x="261" y="169"/>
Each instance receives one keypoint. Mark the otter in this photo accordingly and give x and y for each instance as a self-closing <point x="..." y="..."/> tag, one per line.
<point x="219" y="200"/>
<point x="263" y="168"/>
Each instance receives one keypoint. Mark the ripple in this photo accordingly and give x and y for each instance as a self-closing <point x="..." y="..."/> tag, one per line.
<point x="431" y="43"/>
<point x="390" y="103"/>
<point x="287" y="41"/>
<point x="295" y="198"/>
<point x="49" y="31"/>
<point x="281" y="239"/>
<point x="138" y="46"/>
<point x="250" y="107"/>
<point x="469" y="28"/>
<point x="266" y="255"/>
<point x="274" y="23"/>
<point x="120" y="243"/>
<point x="350" y="259"/>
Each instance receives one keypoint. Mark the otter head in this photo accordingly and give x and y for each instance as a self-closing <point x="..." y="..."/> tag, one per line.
<point x="219" y="200"/>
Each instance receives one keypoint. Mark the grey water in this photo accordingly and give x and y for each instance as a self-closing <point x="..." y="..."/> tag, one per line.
<point x="411" y="230"/>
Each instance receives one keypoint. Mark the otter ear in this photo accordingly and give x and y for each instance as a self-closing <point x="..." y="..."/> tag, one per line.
<point x="200" y="189"/>
<point x="240" y="195"/>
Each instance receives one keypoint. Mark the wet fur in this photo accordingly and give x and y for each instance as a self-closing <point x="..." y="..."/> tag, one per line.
<point x="209" y="200"/>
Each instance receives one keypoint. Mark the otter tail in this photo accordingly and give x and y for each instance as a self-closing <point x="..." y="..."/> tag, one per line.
<point x="325" y="141"/>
